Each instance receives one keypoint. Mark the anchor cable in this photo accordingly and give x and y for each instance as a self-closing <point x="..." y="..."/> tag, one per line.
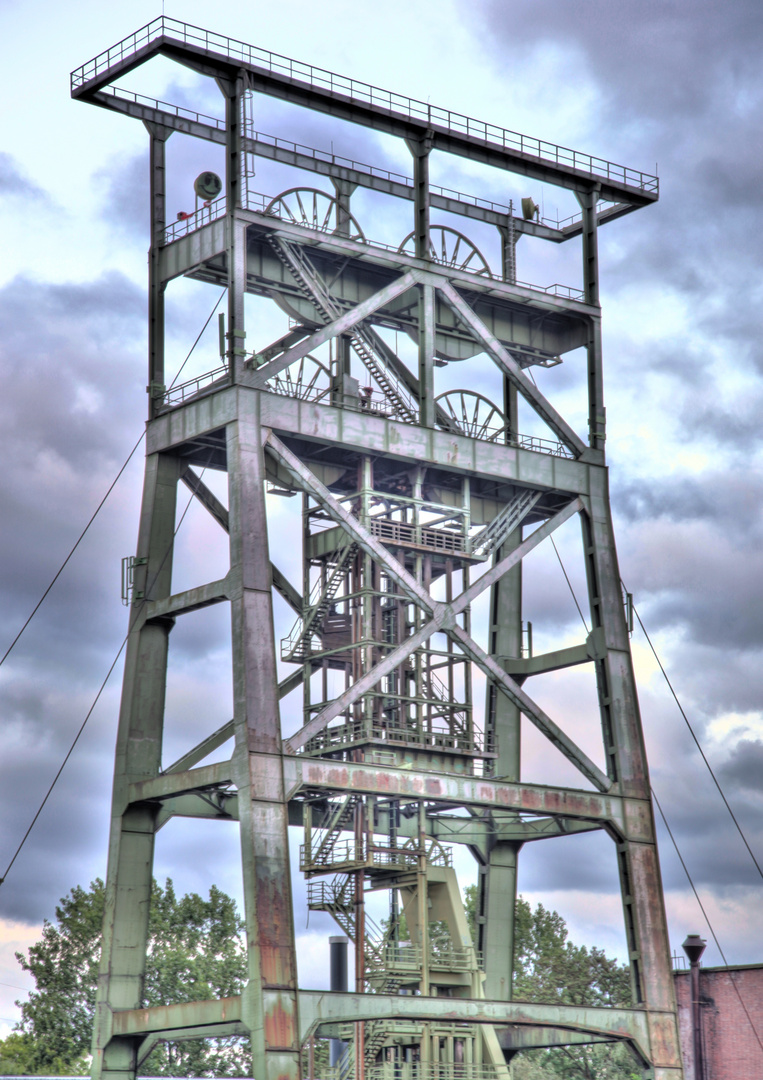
<point x="96" y="698"/>
<point x="111" y="487"/>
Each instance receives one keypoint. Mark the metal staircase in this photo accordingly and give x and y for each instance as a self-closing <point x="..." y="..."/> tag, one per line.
<point x="296" y="647"/>
<point x="313" y="289"/>
<point x="493" y="535"/>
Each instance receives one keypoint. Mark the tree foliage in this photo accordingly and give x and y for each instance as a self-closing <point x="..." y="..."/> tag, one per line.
<point x="195" y="952"/>
<point x="548" y="967"/>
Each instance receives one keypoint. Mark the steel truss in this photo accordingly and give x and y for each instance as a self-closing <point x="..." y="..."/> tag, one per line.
<point x="414" y="504"/>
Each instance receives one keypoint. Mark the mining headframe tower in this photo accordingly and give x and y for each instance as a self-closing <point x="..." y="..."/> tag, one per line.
<point x="417" y="497"/>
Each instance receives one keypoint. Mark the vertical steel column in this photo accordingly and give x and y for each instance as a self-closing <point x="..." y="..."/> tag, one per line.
<point x="420" y="150"/>
<point x="258" y="765"/>
<point x="640" y="880"/>
<point x="138" y="757"/>
<point x="337" y="982"/>
<point x="236" y="246"/>
<point x="498" y="879"/>
<point x="426" y="356"/>
<point x="156" y="287"/>
<point x="343" y="189"/>
<point x="597" y="416"/>
<point x="509" y="237"/>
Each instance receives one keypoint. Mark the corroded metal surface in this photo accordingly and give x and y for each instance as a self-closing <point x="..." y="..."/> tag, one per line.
<point x="410" y="510"/>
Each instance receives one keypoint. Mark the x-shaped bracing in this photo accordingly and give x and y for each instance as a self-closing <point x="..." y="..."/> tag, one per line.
<point x="440" y="617"/>
<point x="476" y="327"/>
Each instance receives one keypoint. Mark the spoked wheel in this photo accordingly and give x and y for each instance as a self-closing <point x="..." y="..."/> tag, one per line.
<point x="474" y="415"/>
<point x="316" y="209"/>
<point x="451" y="248"/>
<point x="306" y="379"/>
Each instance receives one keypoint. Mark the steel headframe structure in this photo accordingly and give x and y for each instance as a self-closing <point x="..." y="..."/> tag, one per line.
<point x="413" y="504"/>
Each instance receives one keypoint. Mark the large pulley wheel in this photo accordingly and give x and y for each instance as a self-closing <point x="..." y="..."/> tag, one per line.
<point x="451" y="248"/>
<point x="473" y="415"/>
<point x="307" y="379"/>
<point x="315" y="209"/>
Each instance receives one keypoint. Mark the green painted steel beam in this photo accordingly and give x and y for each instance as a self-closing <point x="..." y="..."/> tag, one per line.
<point x="302" y="773"/>
<point x="364" y="105"/>
<point x="361" y="433"/>
<point x="316" y="1007"/>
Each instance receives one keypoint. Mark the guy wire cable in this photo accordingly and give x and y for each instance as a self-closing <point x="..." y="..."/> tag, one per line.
<point x="706" y="917"/>
<point x="113" y="484"/>
<point x="662" y="813"/>
<point x="96" y="698"/>
<point x="699" y="747"/>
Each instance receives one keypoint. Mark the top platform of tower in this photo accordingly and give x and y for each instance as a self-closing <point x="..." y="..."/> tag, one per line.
<point x="220" y="56"/>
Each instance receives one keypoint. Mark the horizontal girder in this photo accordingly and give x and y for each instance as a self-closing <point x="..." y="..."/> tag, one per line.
<point x="218" y="56"/>
<point x="190" y="428"/>
<point x="310" y="159"/>
<point x="320" y="1007"/>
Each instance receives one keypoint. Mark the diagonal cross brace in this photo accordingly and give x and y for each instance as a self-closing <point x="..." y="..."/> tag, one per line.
<point x="310" y="483"/>
<point x="512" y="370"/>
<point x="341" y="325"/>
<point x="533" y="712"/>
<point x="444" y="619"/>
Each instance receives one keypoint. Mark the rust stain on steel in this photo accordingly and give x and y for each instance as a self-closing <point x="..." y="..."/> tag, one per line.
<point x="662" y="1039"/>
<point x="456" y="790"/>
<point x="279" y="1026"/>
<point x="276" y="966"/>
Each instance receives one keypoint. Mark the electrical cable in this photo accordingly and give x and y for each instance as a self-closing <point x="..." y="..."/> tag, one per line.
<point x="63" y="763"/>
<point x="63" y="565"/>
<point x="198" y="336"/>
<point x="569" y="583"/>
<point x="706" y="917"/>
<point x="97" y="510"/>
<point x="662" y="812"/>
<point x="96" y="699"/>
<point x="697" y="744"/>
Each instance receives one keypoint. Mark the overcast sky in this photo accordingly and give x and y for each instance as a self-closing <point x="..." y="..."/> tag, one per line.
<point x="676" y="84"/>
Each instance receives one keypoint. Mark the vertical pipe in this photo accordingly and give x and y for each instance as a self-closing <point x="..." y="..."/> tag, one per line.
<point x="695" y="1021"/>
<point x="694" y="946"/>
<point x="338" y="983"/>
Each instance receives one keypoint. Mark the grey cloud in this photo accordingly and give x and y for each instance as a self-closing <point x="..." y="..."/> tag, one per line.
<point x="124" y="193"/>
<point x="13" y="182"/>
<point x="713" y="497"/>
<point x="655" y="58"/>
<point x="744" y="767"/>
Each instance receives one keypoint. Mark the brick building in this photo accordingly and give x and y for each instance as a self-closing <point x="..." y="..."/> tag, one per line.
<point x="731" y="1049"/>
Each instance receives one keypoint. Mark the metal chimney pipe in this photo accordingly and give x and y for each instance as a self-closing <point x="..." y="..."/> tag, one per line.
<point x="694" y="946"/>
<point x="338" y="981"/>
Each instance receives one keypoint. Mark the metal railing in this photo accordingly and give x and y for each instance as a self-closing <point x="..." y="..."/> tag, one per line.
<point x="354" y="731"/>
<point x="432" y="1070"/>
<point x="352" y="854"/>
<point x="195" y="220"/>
<point x="181" y="393"/>
<point x="356" y="91"/>
<point x="398" y="534"/>
<point x="179" y="111"/>
<point x="332" y="159"/>
<point x="257" y="202"/>
<point x="406" y="957"/>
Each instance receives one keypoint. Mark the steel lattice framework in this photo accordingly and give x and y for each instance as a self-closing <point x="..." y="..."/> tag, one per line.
<point x="414" y="504"/>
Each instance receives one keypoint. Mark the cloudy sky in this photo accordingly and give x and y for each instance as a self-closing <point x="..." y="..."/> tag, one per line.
<point x="672" y="84"/>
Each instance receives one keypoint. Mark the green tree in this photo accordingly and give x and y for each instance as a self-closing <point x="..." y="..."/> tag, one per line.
<point x="548" y="967"/>
<point x="195" y="951"/>
<point x="17" y="1059"/>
